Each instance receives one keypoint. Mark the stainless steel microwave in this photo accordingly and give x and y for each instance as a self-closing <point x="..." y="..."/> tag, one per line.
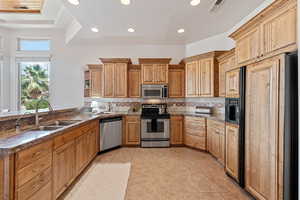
<point x="154" y="91"/>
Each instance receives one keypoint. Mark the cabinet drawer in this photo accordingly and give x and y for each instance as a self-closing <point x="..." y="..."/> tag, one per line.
<point x="32" y="170"/>
<point x="32" y="154"/>
<point x="195" y="141"/>
<point x="200" y="132"/>
<point x="44" y="193"/>
<point x="35" y="184"/>
<point x="216" y="126"/>
<point x="66" y="137"/>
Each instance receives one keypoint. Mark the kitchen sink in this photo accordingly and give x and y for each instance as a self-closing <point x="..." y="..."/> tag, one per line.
<point x="64" y="122"/>
<point x="47" y="128"/>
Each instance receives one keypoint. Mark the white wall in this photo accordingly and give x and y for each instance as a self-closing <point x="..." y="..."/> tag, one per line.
<point x="68" y="63"/>
<point x="5" y="93"/>
<point x="218" y="42"/>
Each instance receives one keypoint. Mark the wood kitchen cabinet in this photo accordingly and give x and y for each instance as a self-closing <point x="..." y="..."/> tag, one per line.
<point x="132" y="130"/>
<point x="33" y="171"/>
<point x="176" y="129"/>
<point x="232" y="150"/>
<point x="270" y="33"/>
<point x="227" y="62"/>
<point x="115" y="73"/>
<point x="63" y="167"/>
<point x="202" y="75"/>
<point x="264" y="129"/>
<point x="195" y="132"/>
<point x="96" y="80"/>
<point x="216" y="139"/>
<point x="134" y="81"/>
<point x="154" y="70"/>
<point x="191" y="78"/>
<point x="1" y="178"/>
<point x="233" y="83"/>
<point x="176" y="81"/>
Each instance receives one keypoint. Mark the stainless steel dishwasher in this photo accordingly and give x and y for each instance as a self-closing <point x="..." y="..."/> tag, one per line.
<point x="110" y="133"/>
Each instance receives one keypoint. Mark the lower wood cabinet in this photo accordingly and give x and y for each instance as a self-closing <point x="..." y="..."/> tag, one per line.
<point x="216" y="139"/>
<point x="1" y="179"/>
<point x="232" y="150"/>
<point x="195" y="132"/>
<point x="63" y="167"/>
<point x="176" y="130"/>
<point x="132" y="130"/>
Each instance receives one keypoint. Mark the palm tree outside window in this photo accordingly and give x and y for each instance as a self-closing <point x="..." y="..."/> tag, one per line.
<point x="34" y="84"/>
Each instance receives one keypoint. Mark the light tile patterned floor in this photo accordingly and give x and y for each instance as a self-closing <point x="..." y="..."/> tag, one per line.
<point x="174" y="174"/>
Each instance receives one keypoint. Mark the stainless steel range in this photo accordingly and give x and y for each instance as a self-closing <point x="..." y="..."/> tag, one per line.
<point x="155" y="126"/>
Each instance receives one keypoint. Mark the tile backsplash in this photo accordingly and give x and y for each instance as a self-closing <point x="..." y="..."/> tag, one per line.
<point x="174" y="104"/>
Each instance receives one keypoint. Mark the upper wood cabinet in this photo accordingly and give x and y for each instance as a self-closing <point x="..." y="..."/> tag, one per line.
<point x="264" y="129"/>
<point x="192" y="79"/>
<point x="270" y="33"/>
<point x="176" y="128"/>
<point x="96" y="80"/>
<point x="176" y="81"/>
<point x="154" y="70"/>
<point x="132" y="130"/>
<point x="232" y="150"/>
<point x="233" y="83"/>
<point x="115" y="77"/>
<point x="227" y="62"/>
<point x="202" y="75"/>
<point x="134" y="81"/>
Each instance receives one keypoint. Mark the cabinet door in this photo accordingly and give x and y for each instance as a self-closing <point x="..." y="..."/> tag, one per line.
<point x="63" y="167"/>
<point x="81" y="152"/>
<point x="195" y="132"/>
<point x="280" y="30"/>
<point x="222" y="148"/>
<point x="248" y="47"/>
<point x="109" y="70"/>
<point x="222" y="70"/>
<point x="206" y="74"/>
<point x="148" y="73"/>
<point x="191" y="79"/>
<point x="134" y="83"/>
<point x="262" y="132"/>
<point x="120" y="80"/>
<point x="161" y="73"/>
<point x="92" y="143"/>
<point x="233" y="84"/>
<point x="1" y="178"/>
<point x="232" y="150"/>
<point x="96" y="82"/>
<point x="176" y="130"/>
<point x="215" y="144"/>
<point x="176" y="83"/>
<point x="132" y="130"/>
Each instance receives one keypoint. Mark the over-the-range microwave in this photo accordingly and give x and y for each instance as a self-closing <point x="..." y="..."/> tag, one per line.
<point x="154" y="91"/>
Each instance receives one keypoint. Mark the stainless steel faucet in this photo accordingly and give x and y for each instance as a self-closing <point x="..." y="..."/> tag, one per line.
<point x="37" y="119"/>
<point x="18" y="125"/>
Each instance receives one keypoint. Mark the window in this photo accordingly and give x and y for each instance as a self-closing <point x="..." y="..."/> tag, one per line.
<point x="33" y="45"/>
<point x="34" y="84"/>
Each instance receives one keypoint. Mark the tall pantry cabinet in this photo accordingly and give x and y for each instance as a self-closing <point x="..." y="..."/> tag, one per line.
<point x="261" y="46"/>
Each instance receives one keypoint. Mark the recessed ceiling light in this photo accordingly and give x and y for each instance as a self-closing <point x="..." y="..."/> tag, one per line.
<point x="94" y="29"/>
<point x="125" y="2"/>
<point x="195" y="2"/>
<point x="180" y="30"/>
<point x="131" y="30"/>
<point x="74" y="2"/>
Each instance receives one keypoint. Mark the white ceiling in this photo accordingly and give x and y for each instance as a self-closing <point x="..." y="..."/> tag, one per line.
<point x="155" y="21"/>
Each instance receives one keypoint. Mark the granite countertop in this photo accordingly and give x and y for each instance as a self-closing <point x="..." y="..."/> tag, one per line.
<point x="15" y="142"/>
<point x="18" y="141"/>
